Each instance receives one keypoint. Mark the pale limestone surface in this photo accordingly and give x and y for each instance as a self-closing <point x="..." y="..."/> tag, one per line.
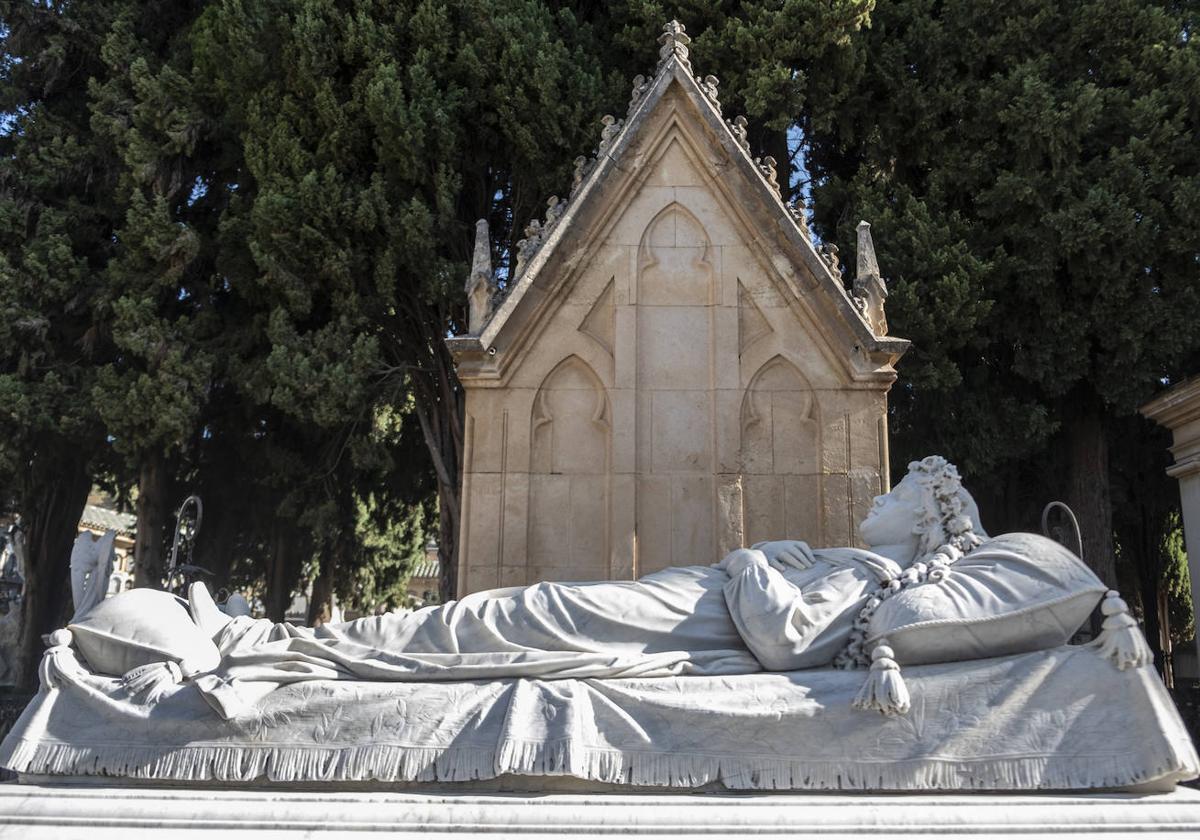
<point x="675" y="372"/>
<point x="45" y="812"/>
<point x="1178" y="409"/>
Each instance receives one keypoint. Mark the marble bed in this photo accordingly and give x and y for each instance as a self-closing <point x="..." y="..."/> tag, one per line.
<point x="688" y="678"/>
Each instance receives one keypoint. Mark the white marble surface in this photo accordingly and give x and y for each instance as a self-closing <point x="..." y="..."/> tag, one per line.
<point x="33" y="812"/>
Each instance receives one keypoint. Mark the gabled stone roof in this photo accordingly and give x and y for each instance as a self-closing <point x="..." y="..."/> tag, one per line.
<point x="102" y="519"/>
<point x="781" y="226"/>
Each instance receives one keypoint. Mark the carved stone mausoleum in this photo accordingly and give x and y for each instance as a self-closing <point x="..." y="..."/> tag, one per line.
<point x="1178" y="409"/>
<point x="675" y="370"/>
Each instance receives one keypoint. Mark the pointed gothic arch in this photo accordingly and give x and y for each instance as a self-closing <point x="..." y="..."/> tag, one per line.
<point x="780" y="454"/>
<point x="674" y="260"/>
<point x="569" y="465"/>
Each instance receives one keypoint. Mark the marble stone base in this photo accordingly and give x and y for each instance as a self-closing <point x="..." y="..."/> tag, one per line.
<point x="93" y="812"/>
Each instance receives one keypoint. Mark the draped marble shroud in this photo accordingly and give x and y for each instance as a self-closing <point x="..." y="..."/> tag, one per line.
<point x="1057" y="719"/>
<point x="688" y="620"/>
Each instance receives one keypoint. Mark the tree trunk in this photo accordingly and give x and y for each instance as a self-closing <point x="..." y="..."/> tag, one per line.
<point x="320" y="602"/>
<point x="283" y="569"/>
<point x="1145" y="550"/>
<point x="152" y="517"/>
<point x="441" y="417"/>
<point x="447" y="556"/>
<point x="215" y="544"/>
<point x="1088" y="491"/>
<point x="275" y="599"/>
<point x="50" y="513"/>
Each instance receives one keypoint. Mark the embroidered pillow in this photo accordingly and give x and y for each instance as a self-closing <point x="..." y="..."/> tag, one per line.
<point x="1016" y="593"/>
<point x="140" y="627"/>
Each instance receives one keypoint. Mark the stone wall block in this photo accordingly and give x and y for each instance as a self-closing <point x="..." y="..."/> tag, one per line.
<point x="514" y="538"/>
<point x="794" y="434"/>
<point x="623" y="495"/>
<point x="588" y="526"/>
<point x="835" y="456"/>
<point x="711" y="212"/>
<point x="549" y="516"/>
<point x="802" y="508"/>
<point x="837" y="513"/>
<point x="487" y="436"/>
<point x="729" y="525"/>
<point x="763" y="503"/>
<point x="654" y="527"/>
<point x="864" y="487"/>
<point x="682" y="437"/>
<point x="624" y="431"/>
<point x="727" y="416"/>
<point x="485" y="514"/>
<point x="637" y="215"/>
<point x="674" y="167"/>
<point x="692" y="520"/>
<point x="625" y="349"/>
<point x="674" y="347"/>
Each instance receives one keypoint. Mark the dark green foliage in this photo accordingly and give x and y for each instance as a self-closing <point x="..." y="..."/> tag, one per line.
<point x="392" y="544"/>
<point x="373" y="135"/>
<point x="1031" y="172"/>
<point x="1178" y="585"/>
<point x="58" y="212"/>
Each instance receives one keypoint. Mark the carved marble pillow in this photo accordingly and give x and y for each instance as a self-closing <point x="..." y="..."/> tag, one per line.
<point x="1016" y="593"/>
<point x="140" y="627"/>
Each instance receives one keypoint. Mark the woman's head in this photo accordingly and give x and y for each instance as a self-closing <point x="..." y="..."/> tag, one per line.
<point x="929" y="508"/>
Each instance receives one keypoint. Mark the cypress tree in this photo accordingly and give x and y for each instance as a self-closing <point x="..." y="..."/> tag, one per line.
<point x="160" y="299"/>
<point x="58" y="214"/>
<point x="1031" y="173"/>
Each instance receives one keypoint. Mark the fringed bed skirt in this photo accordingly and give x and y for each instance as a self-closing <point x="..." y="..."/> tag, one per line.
<point x="1062" y="719"/>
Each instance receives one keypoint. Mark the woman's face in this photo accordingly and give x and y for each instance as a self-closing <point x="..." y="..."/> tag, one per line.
<point x="893" y="517"/>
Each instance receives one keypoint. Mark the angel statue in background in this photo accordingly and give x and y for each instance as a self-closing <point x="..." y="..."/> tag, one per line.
<point x="777" y="606"/>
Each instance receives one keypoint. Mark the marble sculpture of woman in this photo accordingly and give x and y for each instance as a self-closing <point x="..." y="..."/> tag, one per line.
<point x="777" y="606"/>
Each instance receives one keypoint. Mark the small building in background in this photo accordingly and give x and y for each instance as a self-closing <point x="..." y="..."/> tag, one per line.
<point x="1178" y="409"/>
<point x="425" y="580"/>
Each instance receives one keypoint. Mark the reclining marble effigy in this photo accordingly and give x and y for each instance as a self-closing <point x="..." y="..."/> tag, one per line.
<point x="780" y="606"/>
<point x="705" y="646"/>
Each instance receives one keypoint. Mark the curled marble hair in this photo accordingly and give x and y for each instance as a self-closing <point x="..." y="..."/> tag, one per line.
<point x="947" y="514"/>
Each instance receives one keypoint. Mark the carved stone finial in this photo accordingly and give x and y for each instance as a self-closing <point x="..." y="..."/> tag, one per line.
<point x="583" y="165"/>
<point x="481" y="287"/>
<point x="528" y="246"/>
<point x="709" y="86"/>
<point x="767" y="165"/>
<point x="640" y="85"/>
<point x="870" y="290"/>
<point x="554" y="210"/>
<point x="674" y="42"/>
<point x="738" y="127"/>
<point x="612" y="126"/>
<point x="829" y="253"/>
<point x="797" y="211"/>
